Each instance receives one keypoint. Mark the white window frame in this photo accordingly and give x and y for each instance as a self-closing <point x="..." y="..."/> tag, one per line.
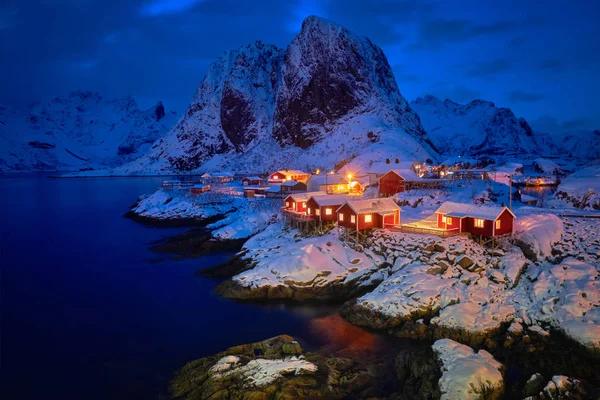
<point x="352" y="219"/>
<point x="368" y="218"/>
<point x="341" y="217"/>
<point x="478" y="223"/>
<point x="443" y="219"/>
<point x="328" y="211"/>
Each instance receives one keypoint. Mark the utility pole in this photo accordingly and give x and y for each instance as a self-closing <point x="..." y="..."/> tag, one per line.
<point x="510" y="192"/>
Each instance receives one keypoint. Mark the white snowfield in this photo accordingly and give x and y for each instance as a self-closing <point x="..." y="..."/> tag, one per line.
<point x="466" y="374"/>
<point x="583" y="184"/>
<point x="260" y="372"/>
<point x="540" y="232"/>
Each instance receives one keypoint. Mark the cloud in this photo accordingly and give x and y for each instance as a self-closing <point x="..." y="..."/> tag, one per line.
<point x="518" y="96"/>
<point x="489" y="69"/>
<point x="158" y="7"/>
<point x="551" y="64"/>
<point x="434" y="33"/>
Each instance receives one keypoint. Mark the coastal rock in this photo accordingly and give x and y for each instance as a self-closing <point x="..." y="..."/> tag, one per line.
<point x="273" y="368"/>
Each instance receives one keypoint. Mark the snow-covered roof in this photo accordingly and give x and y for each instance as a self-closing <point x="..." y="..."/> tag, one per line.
<point x="407" y="174"/>
<point x="223" y="174"/>
<point x="461" y="210"/>
<point x="291" y="172"/>
<point x="374" y="206"/>
<point x="290" y="183"/>
<point x="545" y="165"/>
<point x="329" y="200"/>
<point x="382" y="167"/>
<point x="274" y="189"/>
<point x="300" y="197"/>
<point x="253" y="178"/>
<point x="205" y="175"/>
<point x="329" y="179"/>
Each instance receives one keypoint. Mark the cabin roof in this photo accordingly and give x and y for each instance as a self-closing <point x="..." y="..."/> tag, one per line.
<point x="406" y="174"/>
<point x="329" y="179"/>
<point x="274" y="189"/>
<point x="329" y="200"/>
<point x="253" y="178"/>
<point x="299" y="197"/>
<point x="462" y="210"/>
<point x="373" y="206"/>
<point x="290" y="183"/>
<point x="382" y="167"/>
<point x="290" y="172"/>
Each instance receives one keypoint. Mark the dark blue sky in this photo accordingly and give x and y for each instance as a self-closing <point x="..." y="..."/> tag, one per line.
<point x="540" y="58"/>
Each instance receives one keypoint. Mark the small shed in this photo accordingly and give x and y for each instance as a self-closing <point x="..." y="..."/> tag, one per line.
<point x="478" y="220"/>
<point x="324" y="207"/>
<point x="252" y="180"/>
<point x="293" y="186"/>
<point x="198" y="189"/>
<point x="369" y="213"/>
<point x="396" y="181"/>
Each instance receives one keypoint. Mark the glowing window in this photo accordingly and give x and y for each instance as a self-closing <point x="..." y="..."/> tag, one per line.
<point x="443" y="219"/>
<point x="352" y="219"/>
<point x="328" y="211"/>
<point x="498" y="224"/>
<point x="368" y="218"/>
<point x="275" y="177"/>
<point x="303" y="204"/>
<point x="287" y="204"/>
<point x="449" y="220"/>
<point x="317" y="211"/>
<point x="478" y="223"/>
<point x="341" y="217"/>
<point x="308" y="211"/>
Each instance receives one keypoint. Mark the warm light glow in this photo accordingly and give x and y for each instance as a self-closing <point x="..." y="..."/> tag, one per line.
<point x="368" y="218"/>
<point x="349" y="177"/>
<point x="498" y="224"/>
<point x="303" y="204"/>
<point x="328" y="211"/>
<point x="341" y="217"/>
<point x="275" y="176"/>
<point x="478" y="223"/>
<point x="287" y="204"/>
<point x="317" y="211"/>
<point x="449" y="221"/>
<point x="444" y="219"/>
<point x="289" y="178"/>
<point x="352" y="219"/>
<point x="308" y="211"/>
<point x="332" y="172"/>
<point x="317" y="172"/>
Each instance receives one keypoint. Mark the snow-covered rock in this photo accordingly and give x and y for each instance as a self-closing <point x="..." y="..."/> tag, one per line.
<point x="467" y="374"/>
<point x="477" y="128"/>
<point x="79" y="131"/>
<point x="536" y="234"/>
<point x="582" y="188"/>
<point x="579" y="144"/>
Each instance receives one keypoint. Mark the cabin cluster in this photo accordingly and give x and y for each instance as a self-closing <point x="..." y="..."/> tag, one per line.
<point x="477" y="220"/>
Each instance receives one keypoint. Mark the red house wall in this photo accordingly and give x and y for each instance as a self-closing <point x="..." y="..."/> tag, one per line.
<point x="333" y="216"/>
<point x="390" y="184"/>
<point x="506" y="223"/>
<point x="390" y="219"/>
<point x="469" y="226"/>
<point x="455" y="222"/>
<point x="347" y="211"/>
<point x="313" y="205"/>
<point x="289" y="200"/>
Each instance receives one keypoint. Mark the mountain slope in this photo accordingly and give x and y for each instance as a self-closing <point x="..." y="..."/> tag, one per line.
<point x="579" y="144"/>
<point x="477" y="128"/>
<point x="330" y="96"/>
<point x="78" y="131"/>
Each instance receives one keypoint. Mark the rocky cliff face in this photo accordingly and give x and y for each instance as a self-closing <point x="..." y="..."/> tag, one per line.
<point x="79" y="131"/>
<point x="232" y="108"/>
<point x="328" y="74"/>
<point x="327" y="98"/>
<point x="476" y="128"/>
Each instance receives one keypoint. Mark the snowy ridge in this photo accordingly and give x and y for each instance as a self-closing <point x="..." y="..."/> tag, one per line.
<point x="80" y="130"/>
<point x="477" y="128"/>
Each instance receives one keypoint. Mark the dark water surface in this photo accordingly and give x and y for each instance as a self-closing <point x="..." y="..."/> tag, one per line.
<point x="88" y="312"/>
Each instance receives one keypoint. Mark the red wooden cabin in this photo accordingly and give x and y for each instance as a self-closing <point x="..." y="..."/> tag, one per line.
<point x="198" y="189"/>
<point x="251" y="180"/>
<point x="288" y="175"/>
<point x="395" y="181"/>
<point x="367" y="214"/>
<point x="477" y="220"/>
<point x="324" y="207"/>
<point x="297" y="201"/>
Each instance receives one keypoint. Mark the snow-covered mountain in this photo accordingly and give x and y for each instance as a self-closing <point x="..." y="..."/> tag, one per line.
<point x="328" y="97"/>
<point x="477" y="128"/>
<point x="78" y="131"/>
<point x="579" y="144"/>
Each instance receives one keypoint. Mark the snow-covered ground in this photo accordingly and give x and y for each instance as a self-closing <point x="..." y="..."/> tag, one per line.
<point x="581" y="189"/>
<point x="242" y="217"/>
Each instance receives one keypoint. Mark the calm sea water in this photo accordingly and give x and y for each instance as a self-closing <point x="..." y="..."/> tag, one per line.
<point x="87" y="311"/>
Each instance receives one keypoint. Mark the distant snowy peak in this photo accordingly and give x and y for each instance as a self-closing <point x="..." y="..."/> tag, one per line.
<point x="579" y="144"/>
<point x="330" y="73"/>
<point x="478" y="127"/>
<point x="81" y="130"/>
